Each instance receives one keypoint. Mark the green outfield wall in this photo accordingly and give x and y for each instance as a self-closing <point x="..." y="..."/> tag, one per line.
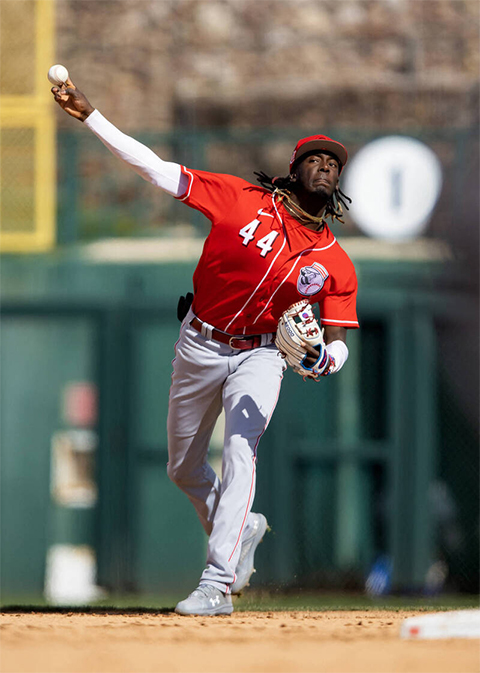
<point x="379" y="460"/>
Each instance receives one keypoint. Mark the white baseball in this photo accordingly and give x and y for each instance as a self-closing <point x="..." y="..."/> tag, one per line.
<point x="58" y="74"/>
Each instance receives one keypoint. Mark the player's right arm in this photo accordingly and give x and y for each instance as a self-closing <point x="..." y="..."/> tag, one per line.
<point x="164" y="174"/>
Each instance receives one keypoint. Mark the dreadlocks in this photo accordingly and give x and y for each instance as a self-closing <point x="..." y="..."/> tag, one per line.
<point x="283" y="186"/>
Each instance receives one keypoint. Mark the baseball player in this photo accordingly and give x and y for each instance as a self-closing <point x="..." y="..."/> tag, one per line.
<point x="269" y="247"/>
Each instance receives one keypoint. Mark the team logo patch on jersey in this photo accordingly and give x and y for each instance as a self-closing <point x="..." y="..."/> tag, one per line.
<point x="311" y="279"/>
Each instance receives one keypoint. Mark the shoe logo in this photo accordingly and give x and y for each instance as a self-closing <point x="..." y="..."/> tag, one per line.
<point x="215" y="601"/>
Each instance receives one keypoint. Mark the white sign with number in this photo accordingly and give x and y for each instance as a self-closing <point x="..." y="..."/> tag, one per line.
<point x="394" y="184"/>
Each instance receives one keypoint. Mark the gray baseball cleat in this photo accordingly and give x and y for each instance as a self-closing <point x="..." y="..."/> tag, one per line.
<point x="206" y="600"/>
<point x="245" y="567"/>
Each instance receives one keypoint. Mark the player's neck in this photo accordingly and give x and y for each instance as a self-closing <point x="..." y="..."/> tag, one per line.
<point x="313" y="204"/>
<point x="307" y="209"/>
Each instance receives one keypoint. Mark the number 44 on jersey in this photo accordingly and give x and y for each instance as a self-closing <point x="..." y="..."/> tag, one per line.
<point x="265" y="244"/>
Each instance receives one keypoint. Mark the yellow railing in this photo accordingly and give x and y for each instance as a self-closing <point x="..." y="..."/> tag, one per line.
<point x="27" y="127"/>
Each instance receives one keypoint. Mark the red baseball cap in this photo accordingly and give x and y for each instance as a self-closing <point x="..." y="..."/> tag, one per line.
<point x="312" y="143"/>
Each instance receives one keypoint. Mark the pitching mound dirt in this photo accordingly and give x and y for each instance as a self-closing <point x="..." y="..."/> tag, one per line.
<point x="246" y="642"/>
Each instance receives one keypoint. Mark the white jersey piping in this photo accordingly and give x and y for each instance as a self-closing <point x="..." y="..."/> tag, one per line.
<point x="343" y="322"/>
<point x="185" y="196"/>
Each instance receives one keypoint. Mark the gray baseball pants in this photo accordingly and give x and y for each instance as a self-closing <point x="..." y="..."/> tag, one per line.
<point x="207" y="376"/>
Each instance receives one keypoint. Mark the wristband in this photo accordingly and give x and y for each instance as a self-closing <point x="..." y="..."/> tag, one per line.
<point x="331" y="367"/>
<point x="338" y="352"/>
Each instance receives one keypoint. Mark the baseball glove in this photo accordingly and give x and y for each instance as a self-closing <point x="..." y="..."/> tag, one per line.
<point x="300" y="341"/>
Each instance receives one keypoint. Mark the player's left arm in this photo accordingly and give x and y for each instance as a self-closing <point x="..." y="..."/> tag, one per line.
<point x="327" y="354"/>
<point x="334" y="333"/>
<point x="338" y="309"/>
<point x="335" y="338"/>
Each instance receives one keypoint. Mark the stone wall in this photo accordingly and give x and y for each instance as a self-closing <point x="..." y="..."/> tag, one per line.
<point x="380" y="64"/>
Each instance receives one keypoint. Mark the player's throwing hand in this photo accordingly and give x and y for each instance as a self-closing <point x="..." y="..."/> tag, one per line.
<point x="72" y="101"/>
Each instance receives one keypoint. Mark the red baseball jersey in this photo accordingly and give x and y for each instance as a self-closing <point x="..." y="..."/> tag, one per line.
<point x="258" y="260"/>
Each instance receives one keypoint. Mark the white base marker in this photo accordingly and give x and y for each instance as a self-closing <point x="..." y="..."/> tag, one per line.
<point x="454" y="624"/>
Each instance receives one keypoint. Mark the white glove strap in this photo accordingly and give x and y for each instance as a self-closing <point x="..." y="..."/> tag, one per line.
<point x="339" y="352"/>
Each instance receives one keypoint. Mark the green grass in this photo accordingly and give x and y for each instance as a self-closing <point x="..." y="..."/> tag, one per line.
<point x="258" y="601"/>
<point x="323" y="602"/>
